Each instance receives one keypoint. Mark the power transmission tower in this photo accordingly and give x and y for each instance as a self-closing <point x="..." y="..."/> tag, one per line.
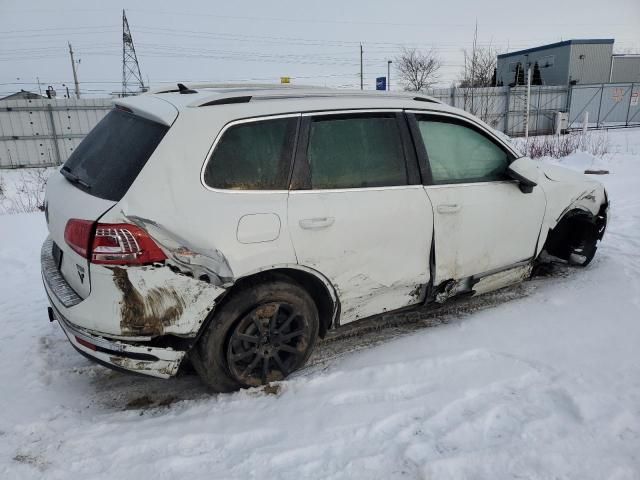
<point x="132" y="83"/>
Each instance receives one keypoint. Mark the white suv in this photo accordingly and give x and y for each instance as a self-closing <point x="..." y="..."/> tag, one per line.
<point x="235" y="225"/>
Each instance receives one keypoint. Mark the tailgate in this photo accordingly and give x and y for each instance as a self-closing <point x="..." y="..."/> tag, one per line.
<point x="95" y="177"/>
<point x="64" y="201"/>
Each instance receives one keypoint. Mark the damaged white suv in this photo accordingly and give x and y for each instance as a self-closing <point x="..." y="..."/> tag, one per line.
<point x="234" y="226"/>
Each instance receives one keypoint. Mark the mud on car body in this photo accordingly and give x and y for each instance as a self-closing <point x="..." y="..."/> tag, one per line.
<point x="234" y="226"/>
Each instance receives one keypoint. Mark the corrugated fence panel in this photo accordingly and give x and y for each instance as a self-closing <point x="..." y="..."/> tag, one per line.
<point x="44" y="132"/>
<point x="605" y="105"/>
<point x="504" y="108"/>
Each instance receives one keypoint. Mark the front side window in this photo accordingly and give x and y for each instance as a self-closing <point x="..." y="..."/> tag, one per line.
<point x="458" y="153"/>
<point x="253" y="156"/>
<point x="356" y="151"/>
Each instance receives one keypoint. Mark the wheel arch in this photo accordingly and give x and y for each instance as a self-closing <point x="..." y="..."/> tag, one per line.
<point x="576" y="222"/>
<point x="317" y="285"/>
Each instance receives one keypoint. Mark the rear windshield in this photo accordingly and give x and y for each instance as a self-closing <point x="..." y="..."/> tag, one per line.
<point x="109" y="159"/>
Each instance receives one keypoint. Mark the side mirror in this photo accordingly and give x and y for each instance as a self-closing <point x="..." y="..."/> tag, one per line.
<point x="526" y="172"/>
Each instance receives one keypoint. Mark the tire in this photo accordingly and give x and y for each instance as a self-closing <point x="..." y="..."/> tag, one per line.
<point x="262" y="333"/>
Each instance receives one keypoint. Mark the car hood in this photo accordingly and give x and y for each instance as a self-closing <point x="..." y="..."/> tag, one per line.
<point x="557" y="173"/>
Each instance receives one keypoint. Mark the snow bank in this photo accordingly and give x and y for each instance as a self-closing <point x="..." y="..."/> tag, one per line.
<point x="546" y="386"/>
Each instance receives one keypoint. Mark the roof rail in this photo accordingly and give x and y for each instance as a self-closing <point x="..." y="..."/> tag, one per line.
<point x="227" y="101"/>
<point x="426" y="99"/>
<point x="239" y="86"/>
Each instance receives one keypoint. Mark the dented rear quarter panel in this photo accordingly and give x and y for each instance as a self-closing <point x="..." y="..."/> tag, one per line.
<point x="142" y="302"/>
<point x="204" y="219"/>
<point x="195" y="226"/>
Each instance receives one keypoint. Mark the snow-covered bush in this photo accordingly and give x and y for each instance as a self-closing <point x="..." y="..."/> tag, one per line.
<point x="25" y="193"/>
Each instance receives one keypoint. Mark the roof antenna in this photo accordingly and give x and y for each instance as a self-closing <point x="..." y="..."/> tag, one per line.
<point x="182" y="88"/>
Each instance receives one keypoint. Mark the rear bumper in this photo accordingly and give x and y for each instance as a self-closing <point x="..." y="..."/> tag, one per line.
<point x="131" y="355"/>
<point x="140" y="359"/>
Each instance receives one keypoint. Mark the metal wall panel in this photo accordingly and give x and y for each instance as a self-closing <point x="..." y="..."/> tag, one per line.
<point x="504" y="108"/>
<point x="590" y="63"/>
<point x="605" y="105"/>
<point x="625" y="68"/>
<point x="555" y="74"/>
<point x="44" y="132"/>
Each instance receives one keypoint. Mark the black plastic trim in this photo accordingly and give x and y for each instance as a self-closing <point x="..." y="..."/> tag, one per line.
<point x="526" y="185"/>
<point x="227" y="101"/>
<point x="410" y="158"/>
<point x="424" y="99"/>
<point x="301" y="172"/>
<point x="107" y="364"/>
<point x="421" y="150"/>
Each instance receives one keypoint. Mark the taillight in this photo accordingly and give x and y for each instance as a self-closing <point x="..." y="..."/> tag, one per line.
<point x="77" y="234"/>
<point x="124" y="244"/>
<point x="112" y="243"/>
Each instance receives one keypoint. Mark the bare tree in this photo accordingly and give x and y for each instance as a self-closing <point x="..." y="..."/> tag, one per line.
<point x="479" y="68"/>
<point x="417" y="70"/>
<point x="480" y="72"/>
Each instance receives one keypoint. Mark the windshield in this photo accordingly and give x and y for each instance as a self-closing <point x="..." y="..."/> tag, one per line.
<point x="111" y="156"/>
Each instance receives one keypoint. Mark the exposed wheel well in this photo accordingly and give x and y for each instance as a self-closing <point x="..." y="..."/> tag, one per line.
<point x="312" y="284"/>
<point x="577" y="229"/>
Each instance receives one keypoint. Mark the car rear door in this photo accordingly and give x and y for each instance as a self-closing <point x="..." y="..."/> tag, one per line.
<point x="483" y="222"/>
<point x="357" y="211"/>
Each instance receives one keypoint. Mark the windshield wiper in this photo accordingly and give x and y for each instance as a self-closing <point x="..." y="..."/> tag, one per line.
<point x="73" y="178"/>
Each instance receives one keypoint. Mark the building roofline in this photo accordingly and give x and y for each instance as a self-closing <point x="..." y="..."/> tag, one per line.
<point x="558" y="44"/>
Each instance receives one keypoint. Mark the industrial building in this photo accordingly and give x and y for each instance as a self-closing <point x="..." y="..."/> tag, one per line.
<point x="569" y="62"/>
<point x="625" y="68"/>
<point x="22" y="95"/>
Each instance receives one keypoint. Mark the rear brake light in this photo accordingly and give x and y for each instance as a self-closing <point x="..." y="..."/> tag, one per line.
<point x="112" y="243"/>
<point x="124" y="244"/>
<point x="77" y="234"/>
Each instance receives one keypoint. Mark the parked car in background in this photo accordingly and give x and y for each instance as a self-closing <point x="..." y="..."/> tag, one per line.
<point x="235" y="226"/>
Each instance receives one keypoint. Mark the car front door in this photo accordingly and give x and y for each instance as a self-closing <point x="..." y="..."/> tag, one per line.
<point x="483" y="222"/>
<point x="358" y="212"/>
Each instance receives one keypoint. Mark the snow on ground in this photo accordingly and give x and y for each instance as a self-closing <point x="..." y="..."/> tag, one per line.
<point x="539" y="387"/>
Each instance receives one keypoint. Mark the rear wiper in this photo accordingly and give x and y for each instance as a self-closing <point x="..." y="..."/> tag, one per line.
<point x="73" y="178"/>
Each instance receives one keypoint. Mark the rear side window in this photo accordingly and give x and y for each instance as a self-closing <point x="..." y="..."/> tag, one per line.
<point x="253" y="156"/>
<point x="458" y="153"/>
<point x="356" y="152"/>
<point x="111" y="156"/>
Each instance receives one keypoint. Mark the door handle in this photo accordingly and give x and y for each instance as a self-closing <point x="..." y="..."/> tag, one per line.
<point x="316" y="223"/>
<point x="449" y="208"/>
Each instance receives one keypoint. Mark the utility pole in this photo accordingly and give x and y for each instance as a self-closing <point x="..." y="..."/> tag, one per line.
<point x="389" y="75"/>
<point x="526" y="116"/>
<point x="361" y="73"/>
<point x="75" y="75"/>
<point x="473" y="65"/>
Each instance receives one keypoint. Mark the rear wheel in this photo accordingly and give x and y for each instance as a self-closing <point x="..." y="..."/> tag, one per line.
<point x="261" y="334"/>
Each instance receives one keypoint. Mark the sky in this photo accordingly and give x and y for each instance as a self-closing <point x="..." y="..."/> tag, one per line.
<point x="315" y="43"/>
